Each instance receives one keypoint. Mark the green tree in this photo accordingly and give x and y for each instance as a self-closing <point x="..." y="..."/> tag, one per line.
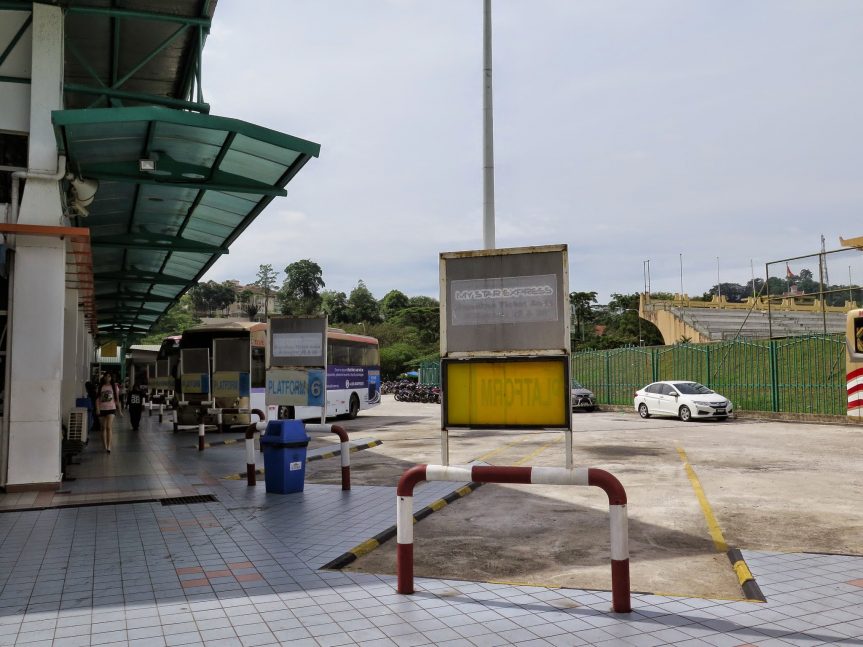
<point x="177" y="318"/>
<point x="266" y="280"/>
<point x="301" y="289"/>
<point x="211" y="296"/>
<point x="362" y="305"/>
<point x="396" y="359"/>
<point x="393" y="301"/>
<point x="581" y="308"/>
<point x="335" y="305"/>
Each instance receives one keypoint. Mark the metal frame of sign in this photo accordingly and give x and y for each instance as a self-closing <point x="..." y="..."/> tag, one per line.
<point x="505" y="305"/>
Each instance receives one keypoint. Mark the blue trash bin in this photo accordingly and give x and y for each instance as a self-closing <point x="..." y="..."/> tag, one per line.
<point x="284" y="444"/>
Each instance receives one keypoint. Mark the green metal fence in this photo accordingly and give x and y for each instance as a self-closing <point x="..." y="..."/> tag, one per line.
<point x="795" y="375"/>
<point x="429" y="373"/>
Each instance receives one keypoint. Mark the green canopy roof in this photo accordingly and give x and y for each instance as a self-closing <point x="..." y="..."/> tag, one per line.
<point x="155" y="233"/>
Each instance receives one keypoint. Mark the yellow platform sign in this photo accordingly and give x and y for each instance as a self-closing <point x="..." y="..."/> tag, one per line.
<point x="510" y="392"/>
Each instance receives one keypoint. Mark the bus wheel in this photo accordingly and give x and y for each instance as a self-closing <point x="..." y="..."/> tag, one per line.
<point x="354" y="407"/>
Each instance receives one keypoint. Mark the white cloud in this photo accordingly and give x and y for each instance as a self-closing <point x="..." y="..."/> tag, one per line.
<point x="627" y="130"/>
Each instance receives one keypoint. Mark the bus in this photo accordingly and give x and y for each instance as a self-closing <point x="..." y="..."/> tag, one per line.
<point x="353" y="377"/>
<point x="211" y="354"/>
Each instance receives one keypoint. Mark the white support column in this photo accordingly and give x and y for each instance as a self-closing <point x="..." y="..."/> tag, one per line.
<point x="72" y="388"/>
<point x="39" y="293"/>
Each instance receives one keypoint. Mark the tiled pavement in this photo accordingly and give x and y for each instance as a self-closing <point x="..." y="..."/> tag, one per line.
<point x="245" y="570"/>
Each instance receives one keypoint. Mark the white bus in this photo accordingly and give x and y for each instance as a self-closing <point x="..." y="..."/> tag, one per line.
<point x="353" y="377"/>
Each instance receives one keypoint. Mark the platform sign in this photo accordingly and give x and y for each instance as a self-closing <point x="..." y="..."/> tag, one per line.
<point x="506" y="393"/>
<point x="505" y="301"/>
<point x="195" y="383"/>
<point x="297" y="341"/>
<point x="195" y="371"/>
<point x="300" y="387"/>
<point x="161" y="383"/>
<point x="505" y="341"/>
<point x="231" y="384"/>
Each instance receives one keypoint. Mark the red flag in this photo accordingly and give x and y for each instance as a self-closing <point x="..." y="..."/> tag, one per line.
<point x="788" y="273"/>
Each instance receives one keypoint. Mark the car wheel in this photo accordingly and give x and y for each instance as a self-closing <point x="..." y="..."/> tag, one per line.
<point x="685" y="413"/>
<point x="642" y="411"/>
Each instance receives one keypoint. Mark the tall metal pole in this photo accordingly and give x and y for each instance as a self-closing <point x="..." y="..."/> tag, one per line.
<point x="752" y="269"/>
<point x="488" y="134"/>
<point x="718" y="283"/>
<point x="681" y="276"/>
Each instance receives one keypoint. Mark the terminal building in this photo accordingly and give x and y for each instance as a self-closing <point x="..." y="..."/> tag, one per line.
<point x="118" y="191"/>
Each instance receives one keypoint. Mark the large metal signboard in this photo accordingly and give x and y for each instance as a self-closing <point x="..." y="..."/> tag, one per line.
<point x="505" y="301"/>
<point x="195" y="366"/>
<point x="163" y="380"/>
<point x="520" y="392"/>
<point x="505" y="340"/>
<point x="232" y="365"/>
<point x="297" y="360"/>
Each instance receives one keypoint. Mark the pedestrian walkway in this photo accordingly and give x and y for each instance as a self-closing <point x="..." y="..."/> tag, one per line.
<point x="245" y="570"/>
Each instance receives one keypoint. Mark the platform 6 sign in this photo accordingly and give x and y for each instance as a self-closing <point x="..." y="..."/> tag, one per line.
<point x="297" y="388"/>
<point x="512" y="392"/>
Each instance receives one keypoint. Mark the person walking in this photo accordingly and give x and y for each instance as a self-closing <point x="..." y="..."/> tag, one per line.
<point x="135" y="405"/>
<point x="108" y="405"/>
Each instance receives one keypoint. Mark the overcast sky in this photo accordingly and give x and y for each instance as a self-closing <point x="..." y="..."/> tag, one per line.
<point x="627" y="129"/>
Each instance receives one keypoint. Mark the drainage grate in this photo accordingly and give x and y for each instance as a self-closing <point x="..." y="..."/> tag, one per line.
<point x="185" y="500"/>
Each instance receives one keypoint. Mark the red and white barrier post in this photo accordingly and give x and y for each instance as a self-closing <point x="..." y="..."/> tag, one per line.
<point x="250" y="445"/>
<point x="620" y="594"/>
<point x="344" y="454"/>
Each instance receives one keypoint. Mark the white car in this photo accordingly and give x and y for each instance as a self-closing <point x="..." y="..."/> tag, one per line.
<point x="684" y="400"/>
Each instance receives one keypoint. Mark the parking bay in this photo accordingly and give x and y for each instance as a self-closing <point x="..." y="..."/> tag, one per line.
<point x="775" y="486"/>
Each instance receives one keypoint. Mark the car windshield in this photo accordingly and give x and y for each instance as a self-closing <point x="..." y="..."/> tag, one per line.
<point x="575" y="384"/>
<point x="692" y="388"/>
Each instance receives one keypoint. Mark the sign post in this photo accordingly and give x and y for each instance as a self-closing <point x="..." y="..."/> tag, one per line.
<point x="505" y="341"/>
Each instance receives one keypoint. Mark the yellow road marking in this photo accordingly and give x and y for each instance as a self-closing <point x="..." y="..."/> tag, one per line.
<point x="437" y="505"/>
<point x="501" y="448"/>
<point x="536" y="452"/>
<point x="712" y="524"/>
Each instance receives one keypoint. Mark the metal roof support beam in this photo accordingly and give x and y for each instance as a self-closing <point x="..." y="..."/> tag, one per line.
<point x="141" y="277"/>
<point x="140" y="15"/>
<point x="80" y="58"/>
<point x="121" y="311"/>
<point x="17" y="37"/>
<point x="161" y="243"/>
<point x="149" y="57"/>
<point x="124" y="297"/>
<point x="114" y="93"/>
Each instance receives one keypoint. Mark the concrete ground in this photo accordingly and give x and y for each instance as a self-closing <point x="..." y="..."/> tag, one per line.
<point x="106" y="561"/>
<point x="767" y="485"/>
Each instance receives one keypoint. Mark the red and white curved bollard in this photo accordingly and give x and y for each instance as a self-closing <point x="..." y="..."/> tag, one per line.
<point x="250" y="445"/>
<point x="344" y="454"/>
<point x="620" y="594"/>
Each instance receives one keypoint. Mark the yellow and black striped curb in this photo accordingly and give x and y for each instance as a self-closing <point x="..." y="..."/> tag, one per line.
<point x="744" y="576"/>
<point x="310" y="459"/>
<point x="370" y="544"/>
<point x="216" y="443"/>
<point x="338" y="452"/>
